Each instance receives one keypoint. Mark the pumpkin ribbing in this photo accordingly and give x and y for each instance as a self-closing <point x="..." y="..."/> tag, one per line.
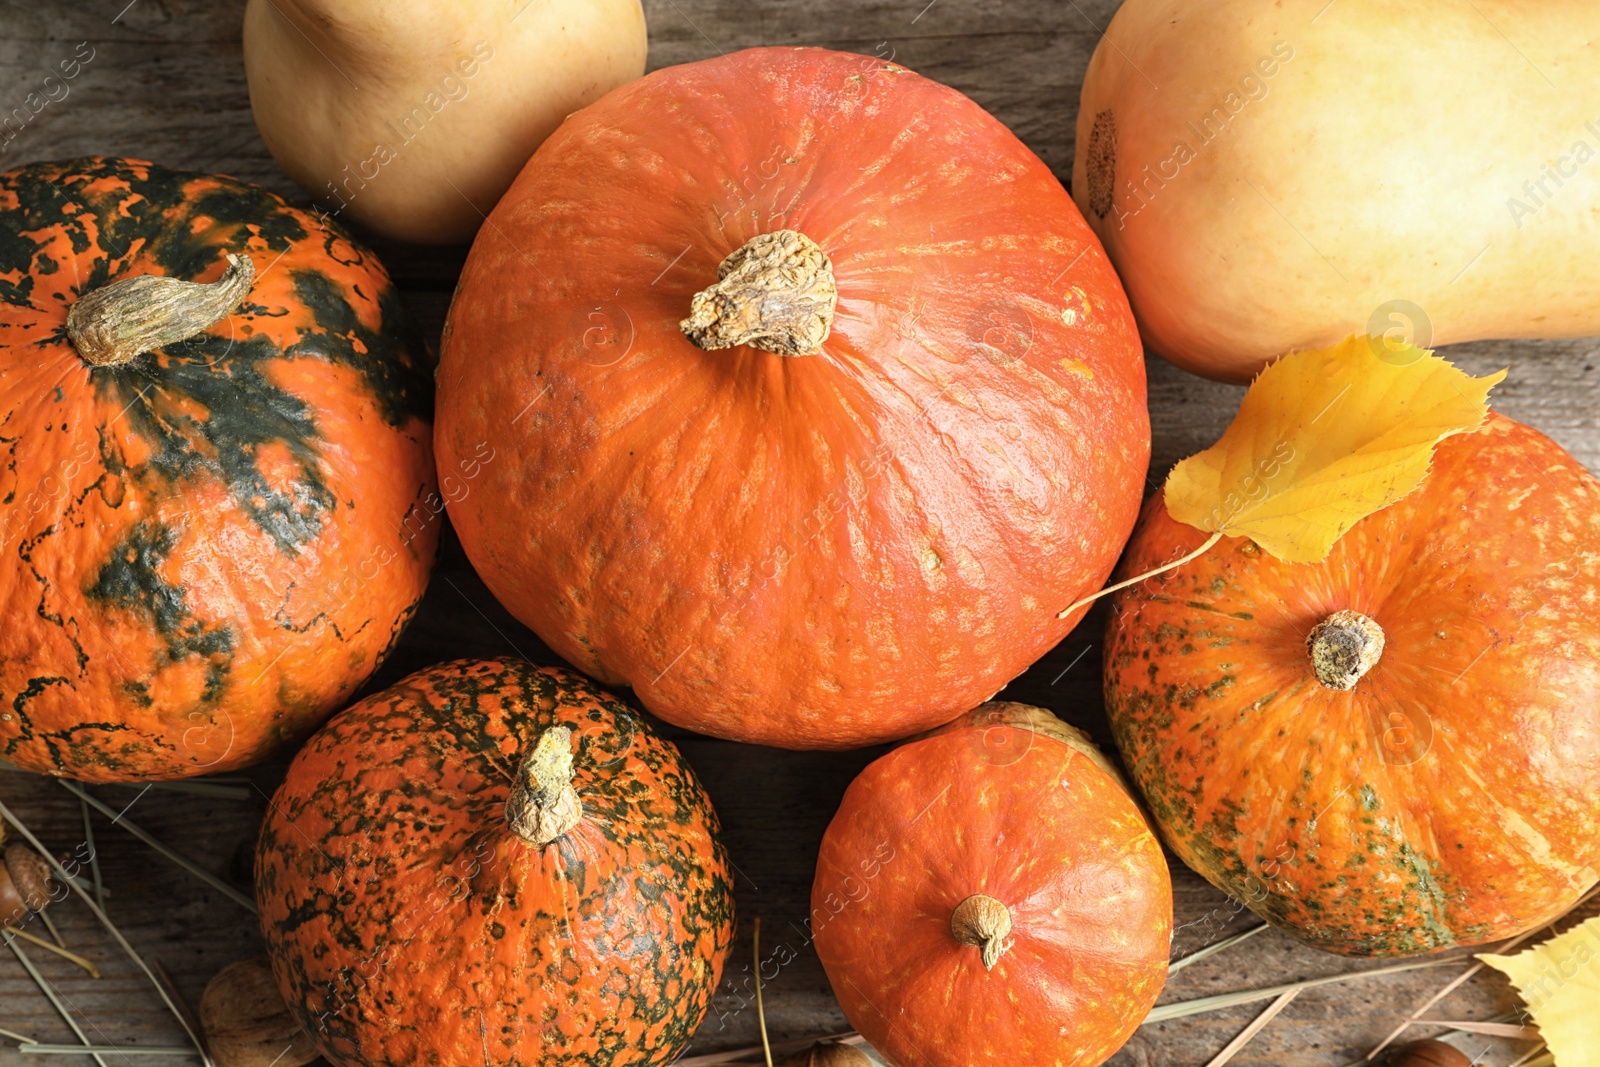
<point x="989" y="893"/>
<point x="816" y="552"/>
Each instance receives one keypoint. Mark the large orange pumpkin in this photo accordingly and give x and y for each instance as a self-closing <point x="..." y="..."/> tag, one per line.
<point x="991" y="894"/>
<point x="909" y="429"/>
<point x="1396" y="750"/>
<point x="494" y="863"/>
<point x="217" y="505"/>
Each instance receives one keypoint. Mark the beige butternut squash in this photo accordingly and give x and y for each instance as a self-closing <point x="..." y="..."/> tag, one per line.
<point x="410" y="119"/>
<point x="1275" y="174"/>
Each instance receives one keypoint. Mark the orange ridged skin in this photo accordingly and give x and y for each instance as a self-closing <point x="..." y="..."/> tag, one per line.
<point x="988" y="807"/>
<point x="1453" y="796"/>
<point x="206" y="550"/>
<point x="819" y="551"/>
<point x="408" y="925"/>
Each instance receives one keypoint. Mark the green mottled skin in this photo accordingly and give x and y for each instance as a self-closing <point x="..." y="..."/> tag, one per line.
<point x="408" y="925"/>
<point x="206" y="549"/>
<point x="1450" y="798"/>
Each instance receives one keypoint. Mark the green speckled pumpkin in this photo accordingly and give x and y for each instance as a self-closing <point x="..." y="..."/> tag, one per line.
<point x="1445" y="788"/>
<point x="206" y="546"/>
<point x="491" y="863"/>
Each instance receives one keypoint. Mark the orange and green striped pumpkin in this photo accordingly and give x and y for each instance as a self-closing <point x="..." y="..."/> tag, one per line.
<point x="494" y="863"/>
<point x="208" y="547"/>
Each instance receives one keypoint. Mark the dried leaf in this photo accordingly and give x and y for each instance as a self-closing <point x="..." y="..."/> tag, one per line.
<point x="1324" y="438"/>
<point x="1559" y="981"/>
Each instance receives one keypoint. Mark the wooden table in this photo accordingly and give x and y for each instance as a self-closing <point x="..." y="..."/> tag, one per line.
<point x="166" y="82"/>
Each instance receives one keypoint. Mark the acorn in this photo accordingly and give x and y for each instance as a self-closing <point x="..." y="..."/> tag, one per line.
<point x="828" y="1054"/>
<point x="24" y="884"/>
<point x="1426" y="1054"/>
<point x="246" y="1022"/>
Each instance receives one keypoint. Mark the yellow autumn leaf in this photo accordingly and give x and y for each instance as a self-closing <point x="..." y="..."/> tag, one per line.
<point x="1324" y="438"/>
<point x="1559" y="981"/>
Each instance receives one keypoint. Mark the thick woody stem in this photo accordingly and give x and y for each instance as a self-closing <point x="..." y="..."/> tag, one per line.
<point x="117" y="322"/>
<point x="777" y="293"/>
<point x="543" y="805"/>
<point x="1344" y="647"/>
<point x="985" y="923"/>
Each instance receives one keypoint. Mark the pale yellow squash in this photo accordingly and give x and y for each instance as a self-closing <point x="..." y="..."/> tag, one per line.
<point x="412" y="118"/>
<point x="1276" y="174"/>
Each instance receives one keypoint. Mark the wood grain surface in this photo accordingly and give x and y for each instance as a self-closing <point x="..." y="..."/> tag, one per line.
<point x="166" y="83"/>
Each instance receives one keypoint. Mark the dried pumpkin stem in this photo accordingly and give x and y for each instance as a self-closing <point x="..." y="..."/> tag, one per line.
<point x="117" y="322"/>
<point x="543" y="805"/>
<point x="777" y="293"/>
<point x="1344" y="647"/>
<point x="984" y="922"/>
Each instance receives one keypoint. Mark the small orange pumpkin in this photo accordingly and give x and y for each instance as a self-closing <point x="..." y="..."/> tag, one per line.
<point x="992" y="894"/>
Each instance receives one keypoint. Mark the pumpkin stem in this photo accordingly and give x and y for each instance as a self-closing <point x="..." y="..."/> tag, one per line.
<point x="117" y="322"/>
<point x="984" y="922"/>
<point x="776" y="293"/>
<point x="543" y="805"/>
<point x="1344" y="646"/>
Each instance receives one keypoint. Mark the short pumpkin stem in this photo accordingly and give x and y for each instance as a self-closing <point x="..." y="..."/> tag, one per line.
<point x="1344" y="647"/>
<point x="985" y="923"/>
<point x="777" y="293"/>
<point x="117" y="322"/>
<point x="543" y="805"/>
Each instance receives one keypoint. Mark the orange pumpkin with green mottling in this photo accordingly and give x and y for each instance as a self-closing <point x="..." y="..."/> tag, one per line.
<point x="990" y="893"/>
<point x="1449" y="796"/>
<point x="493" y="863"/>
<point x="206" y="549"/>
